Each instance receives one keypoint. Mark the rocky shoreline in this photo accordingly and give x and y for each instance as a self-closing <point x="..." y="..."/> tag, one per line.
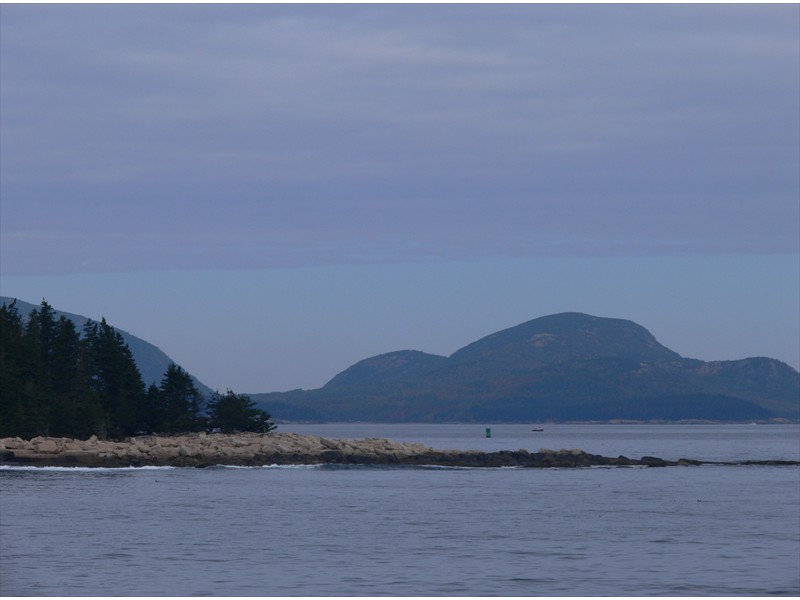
<point x="252" y="449"/>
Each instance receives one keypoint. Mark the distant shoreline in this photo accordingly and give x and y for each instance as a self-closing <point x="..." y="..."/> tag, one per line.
<point x="253" y="449"/>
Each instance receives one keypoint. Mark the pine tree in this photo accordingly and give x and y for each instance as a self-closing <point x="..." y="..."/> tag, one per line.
<point x="153" y="411"/>
<point x="114" y="380"/>
<point x="11" y="361"/>
<point x="33" y="416"/>
<point x="237" y="412"/>
<point x="54" y="381"/>
<point x="65" y="381"/>
<point x="90" y="409"/>
<point x="180" y="401"/>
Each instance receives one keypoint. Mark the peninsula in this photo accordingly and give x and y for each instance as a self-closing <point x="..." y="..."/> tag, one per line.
<point x="255" y="449"/>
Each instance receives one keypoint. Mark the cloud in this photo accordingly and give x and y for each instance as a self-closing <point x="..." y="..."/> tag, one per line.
<point x="283" y="135"/>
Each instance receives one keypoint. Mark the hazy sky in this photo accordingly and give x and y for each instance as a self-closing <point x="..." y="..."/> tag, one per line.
<point x="270" y="193"/>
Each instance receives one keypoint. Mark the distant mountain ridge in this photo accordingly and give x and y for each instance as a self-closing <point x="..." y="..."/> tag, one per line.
<point x="567" y="366"/>
<point x="150" y="360"/>
<point x="562" y="367"/>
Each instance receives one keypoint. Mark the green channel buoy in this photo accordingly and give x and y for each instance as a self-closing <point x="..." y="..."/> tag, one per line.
<point x="488" y="432"/>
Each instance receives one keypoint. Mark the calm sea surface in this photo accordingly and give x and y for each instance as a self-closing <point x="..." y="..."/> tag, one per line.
<point x="310" y="531"/>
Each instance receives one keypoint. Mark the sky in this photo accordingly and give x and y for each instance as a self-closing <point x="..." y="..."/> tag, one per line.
<point x="270" y="193"/>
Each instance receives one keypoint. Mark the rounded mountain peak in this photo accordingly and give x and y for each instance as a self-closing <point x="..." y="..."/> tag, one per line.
<point x="567" y="336"/>
<point x="393" y="366"/>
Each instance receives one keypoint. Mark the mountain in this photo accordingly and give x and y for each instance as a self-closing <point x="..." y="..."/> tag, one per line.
<point x="568" y="366"/>
<point x="387" y="368"/>
<point x="558" y="338"/>
<point x="562" y="367"/>
<point x="150" y="360"/>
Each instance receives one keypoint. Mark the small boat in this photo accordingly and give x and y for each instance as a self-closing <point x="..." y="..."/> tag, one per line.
<point x="537" y="428"/>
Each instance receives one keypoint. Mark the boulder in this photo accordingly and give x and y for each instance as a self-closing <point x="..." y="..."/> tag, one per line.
<point x="246" y="454"/>
<point x="47" y="446"/>
<point x="164" y="454"/>
<point x="330" y="444"/>
<point x="72" y="446"/>
<point x="15" y="443"/>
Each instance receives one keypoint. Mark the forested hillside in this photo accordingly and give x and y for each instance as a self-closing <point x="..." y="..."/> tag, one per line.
<point x="151" y="361"/>
<point x="57" y="381"/>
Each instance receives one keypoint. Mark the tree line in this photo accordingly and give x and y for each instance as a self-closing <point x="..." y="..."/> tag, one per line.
<point x="57" y="381"/>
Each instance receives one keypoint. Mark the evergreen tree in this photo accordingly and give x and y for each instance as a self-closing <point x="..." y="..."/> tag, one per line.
<point x="65" y="416"/>
<point x="54" y="381"/>
<point x="11" y="362"/>
<point x="114" y="380"/>
<point x="37" y="341"/>
<point x="237" y="412"/>
<point x="180" y="402"/>
<point x="153" y="411"/>
<point x="91" y="411"/>
<point x="37" y="372"/>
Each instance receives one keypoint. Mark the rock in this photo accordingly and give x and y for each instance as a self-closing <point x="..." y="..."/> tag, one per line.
<point x="14" y="443"/>
<point x="347" y="450"/>
<point x="245" y="454"/>
<point x="257" y="449"/>
<point x="47" y="446"/>
<point x="331" y="456"/>
<point x="164" y="454"/>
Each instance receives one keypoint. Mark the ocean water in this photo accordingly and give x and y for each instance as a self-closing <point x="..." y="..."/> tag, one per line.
<point x="407" y="531"/>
